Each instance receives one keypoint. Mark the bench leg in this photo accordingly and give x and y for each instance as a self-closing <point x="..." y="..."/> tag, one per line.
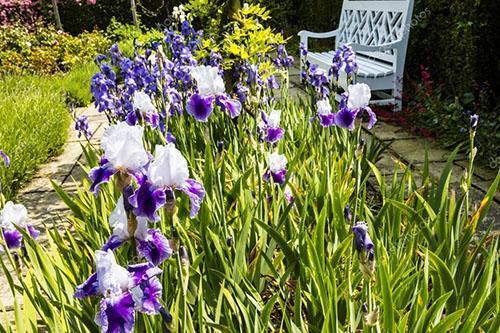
<point x="398" y="94"/>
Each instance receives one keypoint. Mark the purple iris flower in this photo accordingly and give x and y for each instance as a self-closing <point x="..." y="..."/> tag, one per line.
<point x="168" y="171"/>
<point x="13" y="215"/>
<point x="359" y="95"/>
<point x="283" y="59"/>
<point x="316" y="77"/>
<point x="143" y="105"/>
<point x="277" y="168"/>
<point x="272" y="83"/>
<point x="287" y="192"/>
<point x="150" y="243"/>
<point x="5" y="158"/>
<point x="270" y="126"/>
<point x="123" y="290"/>
<point x="123" y="152"/>
<point x="474" y="120"/>
<point x="303" y="49"/>
<point x="211" y="88"/>
<point x="362" y="240"/>
<point x="242" y="92"/>
<point x="347" y="213"/>
<point x="232" y="106"/>
<point x="365" y="248"/>
<point x="324" y="113"/>
<point x="344" y="60"/>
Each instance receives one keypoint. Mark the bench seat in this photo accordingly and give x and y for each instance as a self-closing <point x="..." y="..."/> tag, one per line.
<point x="368" y="67"/>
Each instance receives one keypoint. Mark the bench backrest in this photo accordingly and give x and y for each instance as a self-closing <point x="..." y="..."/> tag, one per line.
<point x="375" y="23"/>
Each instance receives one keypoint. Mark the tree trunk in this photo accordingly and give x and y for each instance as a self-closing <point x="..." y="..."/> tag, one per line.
<point x="231" y="8"/>
<point x="133" y="7"/>
<point x="56" y="15"/>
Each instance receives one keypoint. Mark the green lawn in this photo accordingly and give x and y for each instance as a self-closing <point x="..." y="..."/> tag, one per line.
<point x="34" y="120"/>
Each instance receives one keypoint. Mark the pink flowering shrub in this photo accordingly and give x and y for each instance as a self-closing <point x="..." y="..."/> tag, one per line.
<point x="28" y="12"/>
<point x="25" y="11"/>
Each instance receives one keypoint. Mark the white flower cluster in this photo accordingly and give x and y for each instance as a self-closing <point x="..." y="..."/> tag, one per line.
<point x="179" y="15"/>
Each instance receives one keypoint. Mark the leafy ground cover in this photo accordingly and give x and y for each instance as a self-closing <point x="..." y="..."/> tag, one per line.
<point x="203" y="212"/>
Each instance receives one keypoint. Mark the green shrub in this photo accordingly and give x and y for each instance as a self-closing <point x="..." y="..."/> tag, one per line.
<point x="46" y="50"/>
<point x="126" y="34"/>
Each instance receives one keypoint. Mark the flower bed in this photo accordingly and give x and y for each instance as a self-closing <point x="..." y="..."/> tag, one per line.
<point x="212" y="205"/>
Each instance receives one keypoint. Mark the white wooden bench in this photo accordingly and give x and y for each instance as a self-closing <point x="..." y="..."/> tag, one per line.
<point x="378" y="32"/>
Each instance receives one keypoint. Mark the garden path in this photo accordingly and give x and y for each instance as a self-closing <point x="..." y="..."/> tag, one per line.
<point x="45" y="208"/>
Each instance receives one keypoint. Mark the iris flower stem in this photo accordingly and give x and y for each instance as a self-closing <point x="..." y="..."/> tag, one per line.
<point x="358" y="175"/>
<point x="352" y="316"/>
<point x="469" y="169"/>
<point x="170" y="223"/>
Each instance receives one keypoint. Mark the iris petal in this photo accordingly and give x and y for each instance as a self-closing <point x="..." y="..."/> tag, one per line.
<point x="233" y="106"/>
<point x="155" y="248"/>
<point x="199" y="107"/>
<point x="274" y="134"/>
<point x="13" y="238"/>
<point x="345" y="118"/>
<point x="117" y="315"/>
<point x="100" y="175"/>
<point x="196" y="193"/>
<point x="146" y="201"/>
<point x="88" y="288"/>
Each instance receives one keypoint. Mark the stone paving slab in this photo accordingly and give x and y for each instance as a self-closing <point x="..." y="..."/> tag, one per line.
<point x="481" y="172"/>
<point x="384" y="132"/>
<point x="389" y="164"/>
<point x="413" y="151"/>
<point x="436" y="168"/>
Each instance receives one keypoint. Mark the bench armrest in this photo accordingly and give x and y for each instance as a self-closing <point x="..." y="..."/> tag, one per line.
<point x="305" y="35"/>
<point x="376" y="48"/>
<point x="309" y="34"/>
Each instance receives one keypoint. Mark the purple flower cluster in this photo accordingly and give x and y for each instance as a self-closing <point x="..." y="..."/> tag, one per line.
<point x="283" y="59"/>
<point x="352" y="105"/>
<point x="161" y="82"/>
<point x="316" y="78"/>
<point x="147" y="184"/>
<point x="82" y="126"/>
<point x="253" y="80"/>
<point x="321" y="80"/>
<point x="344" y="59"/>
<point x="123" y="291"/>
